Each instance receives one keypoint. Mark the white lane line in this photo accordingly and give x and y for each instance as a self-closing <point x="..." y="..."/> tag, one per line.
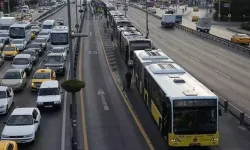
<point x="64" y="114"/>
<point x="195" y="58"/>
<point x="222" y="73"/>
<point x="90" y="33"/>
<point x="102" y="95"/>
<point x="175" y="47"/>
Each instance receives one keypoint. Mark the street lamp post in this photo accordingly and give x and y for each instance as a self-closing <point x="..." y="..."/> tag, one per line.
<point x="125" y="8"/>
<point x="147" y="30"/>
<point x="229" y="14"/>
<point x="72" y="76"/>
<point x="219" y="15"/>
<point x="77" y="25"/>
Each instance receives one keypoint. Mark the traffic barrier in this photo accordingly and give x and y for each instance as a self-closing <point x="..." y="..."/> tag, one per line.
<point x="243" y="118"/>
<point x="211" y="37"/>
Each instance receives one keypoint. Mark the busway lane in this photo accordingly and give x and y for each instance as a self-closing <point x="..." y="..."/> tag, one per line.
<point x="228" y="125"/>
<point x="109" y="125"/>
<point x="228" y="71"/>
<point x="49" y="135"/>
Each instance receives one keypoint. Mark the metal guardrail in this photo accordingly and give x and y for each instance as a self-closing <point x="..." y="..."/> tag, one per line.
<point x="204" y="35"/>
<point x="243" y="118"/>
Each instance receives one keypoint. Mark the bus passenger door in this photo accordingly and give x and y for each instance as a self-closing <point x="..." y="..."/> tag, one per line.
<point x="165" y="118"/>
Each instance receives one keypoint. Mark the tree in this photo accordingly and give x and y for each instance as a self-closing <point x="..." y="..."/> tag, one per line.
<point x="73" y="85"/>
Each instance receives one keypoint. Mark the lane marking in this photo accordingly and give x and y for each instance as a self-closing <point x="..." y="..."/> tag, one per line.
<point x="222" y="73"/>
<point x="137" y="121"/>
<point x="102" y="95"/>
<point x="194" y="58"/>
<point x="90" y="33"/>
<point x="175" y="47"/>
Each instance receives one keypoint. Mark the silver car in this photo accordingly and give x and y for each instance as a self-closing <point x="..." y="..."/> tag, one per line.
<point x="33" y="53"/>
<point x="45" y="35"/>
<point x="35" y="29"/>
<point x="14" y="78"/>
<point x="20" y="44"/>
<point x="60" y="50"/>
<point x="23" y="61"/>
<point x="43" y="41"/>
<point x="55" y="62"/>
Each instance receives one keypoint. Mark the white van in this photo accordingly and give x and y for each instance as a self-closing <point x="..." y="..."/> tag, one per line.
<point x="48" y="25"/>
<point x="49" y="95"/>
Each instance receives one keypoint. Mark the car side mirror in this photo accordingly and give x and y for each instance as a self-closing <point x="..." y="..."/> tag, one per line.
<point x="220" y="113"/>
<point x="61" y="92"/>
<point x="35" y="121"/>
<point x="4" y="122"/>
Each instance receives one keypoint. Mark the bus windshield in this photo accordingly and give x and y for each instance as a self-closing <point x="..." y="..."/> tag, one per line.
<point x="4" y="27"/>
<point x="139" y="45"/>
<point x="47" y="26"/>
<point x="17" y="32"/>
<point x="195" y="120"/>
<point x="59" y="38"/>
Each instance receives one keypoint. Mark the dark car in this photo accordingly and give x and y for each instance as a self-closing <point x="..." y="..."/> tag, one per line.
<point x="37" y="46"/>
<point x="33" y="53"/>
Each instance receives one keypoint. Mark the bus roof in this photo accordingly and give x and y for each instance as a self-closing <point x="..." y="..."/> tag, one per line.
<point x="134" y="36"/>
<point x="152" y="56"/>
<point x="60" y="29"/>
<point x="127" y="28"/>
<point x="49" y="22"/>
<point x="21" y="24"/>
<point x="176" y="83"/>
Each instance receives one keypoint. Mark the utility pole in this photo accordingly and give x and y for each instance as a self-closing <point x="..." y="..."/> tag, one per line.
<point x="219" y="15"/>
<point x="229" y="14"/>
<point x="147" y="30"/>
<point x="77" y="25"/>
<point x="8" y="6"/>
<point x="125" y="9"/>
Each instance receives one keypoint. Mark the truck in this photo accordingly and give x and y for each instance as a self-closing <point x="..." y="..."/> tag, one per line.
<point x="203" y="24"/>
<point x="168" y="20"/>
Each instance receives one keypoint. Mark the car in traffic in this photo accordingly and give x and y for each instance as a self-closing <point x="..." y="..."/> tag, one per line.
<point x="195" y="9"/>
<point x="153" y="10"/>
<point x="1" y="59"/>
<point x="40" y="10"/>
<point x="20" y="44"/>
<point x="163" y="7"/>
<point x="10" y="51"/>
<point x="35" y="29"/>
<point x="34" y="54"/>
<point x="60" y="50"/>
<point x="8" y="145"/>
<point x="40" y="76"/>
<point x="23" y="61"/>
<point x="49" y="95"/>
<point x="60" y="21"/>
<point x="33" y="36"/>
<point x="32" y="10"/>
<point x="22" y="125"/>
<point x="195" y="18"/>
<point x="55" y="62"/>
<point x="240" y="39"/>
<point x="43" y="41"/>
<point x="47" y="8"/>
<point x="6" y="99"/>
<point x="45" y="35"/>
<point x="4" y="38"/>
<point x="37" y="46"/>
<point x="36" y="23"/>
<point x="14" y="78"/>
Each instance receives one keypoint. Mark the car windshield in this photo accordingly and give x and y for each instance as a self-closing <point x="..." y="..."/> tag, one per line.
<point x="34" y="27"/>
<point x="47" y="26"/>
<point x="57" y="50"/>
<point x="54" y="59"/>
<point x="20" y="120"/>
<point x="42" y="75"/>
<point x="59" y="38"/>
<point x="12" y="75"/>
<point x="20" y="61"/>
<point x="17" y="41"/>
<point x="40" y="40"/>
<point x="34" y="45"/>
<point x="29" y="52"/>
<point x="48" y="91"/>
<point x="9" y="49"/>
<point x="2" y="94"/>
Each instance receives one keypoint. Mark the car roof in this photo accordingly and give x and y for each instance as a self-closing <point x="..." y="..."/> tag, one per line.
<point x="14" y="70"/>
<point x="50" y="84"/>
<point x="40" y="38"/>
<point x="23" y="56"/>
<point x="23" y="111"/>
<point x="58" y="47"/>
<point x="10" y="45"/>
<point x="43" y="70"/>
<point x="55" y="54"/>
<point x="3" y="88"/>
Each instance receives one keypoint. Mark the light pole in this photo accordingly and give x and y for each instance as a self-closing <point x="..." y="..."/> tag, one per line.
<point x="125" y="9"/>
<point x="229" y="14"/>
<point x="219" y="15"/>
<point x="77" y="25"/>
<point x="147" y="30"/>
<point x="72" y="70"/>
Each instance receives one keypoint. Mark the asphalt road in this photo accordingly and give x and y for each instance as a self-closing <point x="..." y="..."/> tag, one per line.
<point x="49" y="136"/>
<point x="215" y="66"/>
<point x="220" y="68"/>
<point x="109" y="125"/>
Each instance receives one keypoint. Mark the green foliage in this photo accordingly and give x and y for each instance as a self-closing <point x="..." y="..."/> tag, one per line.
<point x="73" y="86"/>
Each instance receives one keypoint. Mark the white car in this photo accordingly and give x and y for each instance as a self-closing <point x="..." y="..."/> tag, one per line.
<point x="45" y="35"/>
<point x="22" y="125"/>
<point x="163" y="7"/>
<point x="6" y="99"/>
<point x="153" y="10"/>
<point x="20" y="44"/>
<point x="61" y="50"/>
<point x="35" y="29"/>
<point x="49" y="95"/>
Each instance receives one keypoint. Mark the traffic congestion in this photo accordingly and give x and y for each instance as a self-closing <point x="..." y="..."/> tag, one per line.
<point x="33" y="57"/>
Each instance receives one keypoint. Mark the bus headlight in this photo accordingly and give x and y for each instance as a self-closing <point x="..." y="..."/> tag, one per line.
<point x="214" y="139"/>
<point x="175" y="140"/>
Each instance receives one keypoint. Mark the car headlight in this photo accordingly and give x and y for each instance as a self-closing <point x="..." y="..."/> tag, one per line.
<point x="32" y="84"/>
<point x="61" y="67"/>
<point x="28" y="135"/>
<point x="5" y="136"/>
<point x="47" y="68"/>
<point x="2" y="106"/>
<point x="39" y="103"/>
<point x="57" y="102"/>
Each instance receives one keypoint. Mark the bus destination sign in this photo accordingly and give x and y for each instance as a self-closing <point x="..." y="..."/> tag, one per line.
<point x="195" y="103"/>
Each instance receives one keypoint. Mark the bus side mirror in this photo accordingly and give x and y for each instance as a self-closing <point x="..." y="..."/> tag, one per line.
<point x="220" y="113"/>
